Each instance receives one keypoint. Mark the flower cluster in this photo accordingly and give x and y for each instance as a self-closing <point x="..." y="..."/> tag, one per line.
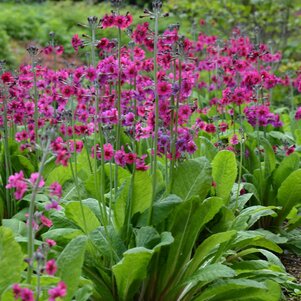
<point x="236" y="74"/>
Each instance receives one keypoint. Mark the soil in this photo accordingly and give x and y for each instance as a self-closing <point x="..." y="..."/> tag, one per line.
<point x="292" y="264"/>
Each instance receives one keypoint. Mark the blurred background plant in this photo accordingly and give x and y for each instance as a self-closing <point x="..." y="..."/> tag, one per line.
<point x="276" y="22"/>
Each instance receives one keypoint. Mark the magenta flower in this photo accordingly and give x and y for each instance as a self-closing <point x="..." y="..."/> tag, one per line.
<point x="18" y="182"/>
<point x="51" y="267"/>
<point x="76" y="42"/>
<point x="46" y="221"/>
<point x="298" y="114"/>
<point x="108" y="151"/>
<point x="164" y="88"/>
<point x="17" y="290"/>
<point x="55" y="189"/>
<point x="59" y="291"/>
<point x="50" y="242"/>
<point x="27" y="294"/>
<point x="33" y="179"/>
<point x="234" y="140"/>
<point x="120" y="157"/>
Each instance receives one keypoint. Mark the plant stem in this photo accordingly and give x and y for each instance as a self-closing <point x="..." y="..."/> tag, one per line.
<point x="118" y="129"/>
<point x="30" y="245"/>
<point x="154" y="155"/>
<point x="8" y="170"/>
<point x="35" y="95"/>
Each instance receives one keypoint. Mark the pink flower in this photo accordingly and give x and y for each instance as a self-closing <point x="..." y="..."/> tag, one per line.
<point x="51" y="267"/>
<point x="55" y="189"/>
<point x="76" y="42"/>
<point x="120" y="157"/>
<point x="234" y="140"/>
<point x="130" y="158"/>
<point x="108" y="151"/>
<point x="7" y="78"/>
<point x="34" y="177"/>
<point x="298" y="114"/>
<point x="91" y="74"/>
<point x="27" y="294"/>
<point x="53" y="205"/>
<point x="46" y="221"/>
<point x="17" y="290"/>
<point x="59" y="291"/>
<point x="59" y="50"/>
<point x="17" y="181"/>
<point x="164" y="88"/>
<point x="50" y="242"/>
<point x="120" y="21"/>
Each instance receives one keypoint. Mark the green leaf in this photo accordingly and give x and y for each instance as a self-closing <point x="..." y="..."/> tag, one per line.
<point x="254" y="238"/>
<point x="92" y="184"/>
<point x="166" y="240"/>
<point x="286" y="167"/>
<point x="250" y="215"/>
<point x="161" y="210"/>
<point x="289" y="194"/>
<point x="17" y="226"/>
<point x="142" y="192"/>
<point x="108" y="242"/>
<point x="131" y="271"/>
<point x="192" y="177"/>
<point x="206" y="247"/>
<point x="224" y="172"/>
<point x="147" y="237"/>
<point x="269" y="156"/>
<point x="82" y="216"/>
<point x="70" y="264"/>
<point x="210" y="273"/>
<point x="11" y="259"/>
<point x="62" y="236"/>
<point x="60" y="174"/>
<point x="206" y="149"/>
<point x="241" y="290"/>
<point x="188" y="220"/>
<point x="20" y="162"/>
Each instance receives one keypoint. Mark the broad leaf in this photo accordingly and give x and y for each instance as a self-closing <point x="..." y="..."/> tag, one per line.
<point x="286" y="167"/>
<point x="11" y="259"/>
<point x="224" y="172"/>
<point x="289" y="194"/>
<point x="108" y="242"/>
<point x="62" y="236"/>
<point x="250" y="215"/>
<point x="190" y="217"/>
<point x="192" y="177"/>
<point x="206" y="247"/>
<point x="131" y="271"/>
<point x="210" y="273"/>
<point x="242" y="290"/>
<point x="269" y="156"/>
<point x="60" y="174"/>
<point x="161" y="210"/>
<point x="82" y="216"/>
<point x="70" y="264"/>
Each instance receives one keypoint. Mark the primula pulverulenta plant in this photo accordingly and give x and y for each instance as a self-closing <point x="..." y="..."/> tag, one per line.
<point x="147" y="141"/>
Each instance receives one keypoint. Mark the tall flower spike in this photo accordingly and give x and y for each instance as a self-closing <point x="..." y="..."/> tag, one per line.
<point x="157" y="5"/>
<point x="33" y="50"/>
